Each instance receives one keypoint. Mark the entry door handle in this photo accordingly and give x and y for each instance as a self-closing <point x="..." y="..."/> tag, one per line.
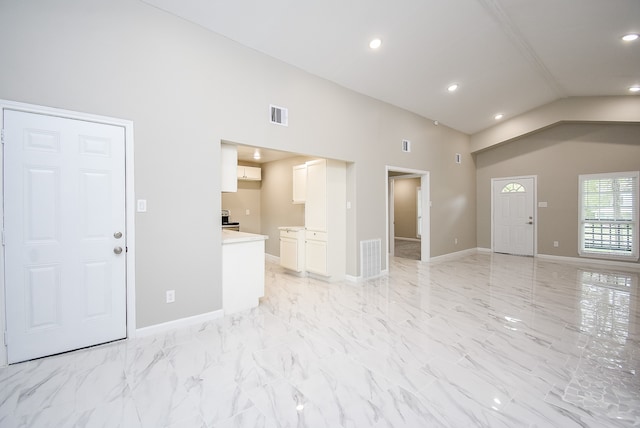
<point x="117" y="250"/>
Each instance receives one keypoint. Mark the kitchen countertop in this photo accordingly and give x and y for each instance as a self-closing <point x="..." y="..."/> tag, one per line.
<point x="292" y="228"/>
<point x="232" y="237"/>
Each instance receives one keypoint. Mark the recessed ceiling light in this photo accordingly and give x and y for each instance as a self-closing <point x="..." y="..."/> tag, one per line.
<point x="375" y="43"/>
<point x="635" y="88"/>
<point x="453" y="87"/>
<point x="498" y="116"/>
<point x="630" y="37"/>
<point x="256" y="154"/>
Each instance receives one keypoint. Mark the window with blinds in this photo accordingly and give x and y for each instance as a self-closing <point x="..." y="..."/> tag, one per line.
<point x="609" y="215"/>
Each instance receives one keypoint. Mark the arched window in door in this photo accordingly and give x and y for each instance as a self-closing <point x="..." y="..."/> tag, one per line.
<point x="513" y="188"/>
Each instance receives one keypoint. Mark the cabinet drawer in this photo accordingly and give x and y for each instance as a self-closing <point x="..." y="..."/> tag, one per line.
<point x="287" y="233"/>
<point x="316" y="235"/>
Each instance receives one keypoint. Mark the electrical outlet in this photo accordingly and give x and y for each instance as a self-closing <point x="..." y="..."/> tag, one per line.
<point x="171" y="296"/>
<point x="248" y="212"/>
<point x="455" y="241"/>
<point x="556" y="244"/>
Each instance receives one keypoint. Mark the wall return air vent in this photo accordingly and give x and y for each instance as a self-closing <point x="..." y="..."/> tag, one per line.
<point x="279" y="115"/>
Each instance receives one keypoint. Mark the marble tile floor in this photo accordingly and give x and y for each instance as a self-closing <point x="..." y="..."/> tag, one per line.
<point x="484" y="340"/>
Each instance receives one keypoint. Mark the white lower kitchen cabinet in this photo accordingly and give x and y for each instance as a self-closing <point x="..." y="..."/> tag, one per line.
<point x="292" y="253"/>
<point x="316" y="247"/>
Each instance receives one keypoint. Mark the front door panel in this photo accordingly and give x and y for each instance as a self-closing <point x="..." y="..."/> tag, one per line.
<point x="513" y="216"/>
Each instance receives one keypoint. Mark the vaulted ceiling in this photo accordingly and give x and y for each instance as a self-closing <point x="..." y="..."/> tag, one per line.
<point x="506" y="56"/>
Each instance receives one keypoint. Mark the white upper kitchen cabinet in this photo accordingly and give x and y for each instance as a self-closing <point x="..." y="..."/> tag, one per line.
<point x="299" y="184"/>
<point x="315" y="209"/>
<point x="249" y="173"/>
<point x="229" y="162"/>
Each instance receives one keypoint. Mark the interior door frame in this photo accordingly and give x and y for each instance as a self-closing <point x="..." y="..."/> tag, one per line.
<point x="129" y="206"/>
<point x="535" y="208"/>
<point x="425" y="240"/>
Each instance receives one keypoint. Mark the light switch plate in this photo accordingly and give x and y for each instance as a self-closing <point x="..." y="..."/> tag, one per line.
<point x="142" y="205"/>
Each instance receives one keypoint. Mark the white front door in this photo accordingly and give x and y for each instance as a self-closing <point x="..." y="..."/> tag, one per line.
<point x="65" y="238"/>
<point x="513" y="215"/>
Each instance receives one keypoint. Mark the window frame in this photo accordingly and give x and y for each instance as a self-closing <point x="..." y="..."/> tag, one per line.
<point x="585" y="252"/>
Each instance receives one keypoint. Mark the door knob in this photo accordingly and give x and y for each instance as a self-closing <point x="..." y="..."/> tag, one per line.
<point x="117" y="250"/>
<point x="117" y="235"/>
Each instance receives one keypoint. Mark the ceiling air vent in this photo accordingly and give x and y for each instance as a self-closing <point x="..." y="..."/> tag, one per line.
<point x="279" y="115"/>
<point x="406" y="146"/>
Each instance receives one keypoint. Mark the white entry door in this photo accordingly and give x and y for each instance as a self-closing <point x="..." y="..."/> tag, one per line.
<point x="513" y="215"/>
<point x="65" y="242"/>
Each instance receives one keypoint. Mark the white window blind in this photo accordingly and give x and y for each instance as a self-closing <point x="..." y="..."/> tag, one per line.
<point x="609" y="215"/>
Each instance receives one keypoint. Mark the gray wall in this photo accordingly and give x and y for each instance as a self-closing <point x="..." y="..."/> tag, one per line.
<point x="557" y="156"/>
<point x="246" y="198"/>
<point x="277" y="209"/>
<point x="186" y="89"/>
<point x="405" y="208"/>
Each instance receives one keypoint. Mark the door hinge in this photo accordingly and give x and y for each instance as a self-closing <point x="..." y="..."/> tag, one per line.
<point x="2" y="135"/>
<point x="5" y="338"/>
<point x="2" y="238"/>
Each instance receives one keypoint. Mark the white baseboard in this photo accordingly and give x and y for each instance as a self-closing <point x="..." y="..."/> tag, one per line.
<point x="179" y="323"/>
<point x="271" y="258"/>
<point x="400" y="238"/>
<point x="456" y="255"/>
<point x="586" y="261"/>
<point x="574" y="260"/>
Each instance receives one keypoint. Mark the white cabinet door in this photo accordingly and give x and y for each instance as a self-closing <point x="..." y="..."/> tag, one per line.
<point x="315" y="212"/>
<point x="228" y="166"/>
<point x="316" y="256"/>
<point x="299" y="184"/>
<point x="249" y="173"/>
<point x="252" y="173"/>
<point x="289" y="253"/>
<point x="64" y="234"/>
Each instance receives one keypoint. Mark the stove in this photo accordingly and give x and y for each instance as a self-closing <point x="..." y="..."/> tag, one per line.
<point x="229" y="225"/>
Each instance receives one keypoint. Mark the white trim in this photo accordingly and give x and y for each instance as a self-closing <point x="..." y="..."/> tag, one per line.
<point x="401" y="238"/>
<point x="635" y="252"/>
<point x="587" y="261"/>
<point x="425" y="180"/>
<point x="456" y="255"/>
<point x="535" y="208"/>
<point x="391" y="216"/>
<point x="129" y="195"/>
<point x="271" y="258"/>
<point x="179" y="323"/>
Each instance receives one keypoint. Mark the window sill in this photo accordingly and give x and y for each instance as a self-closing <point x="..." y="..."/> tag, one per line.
<point x="632" y="258"/>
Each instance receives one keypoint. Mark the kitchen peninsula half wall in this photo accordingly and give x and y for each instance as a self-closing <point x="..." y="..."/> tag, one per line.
<point x="242" y="270"/>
